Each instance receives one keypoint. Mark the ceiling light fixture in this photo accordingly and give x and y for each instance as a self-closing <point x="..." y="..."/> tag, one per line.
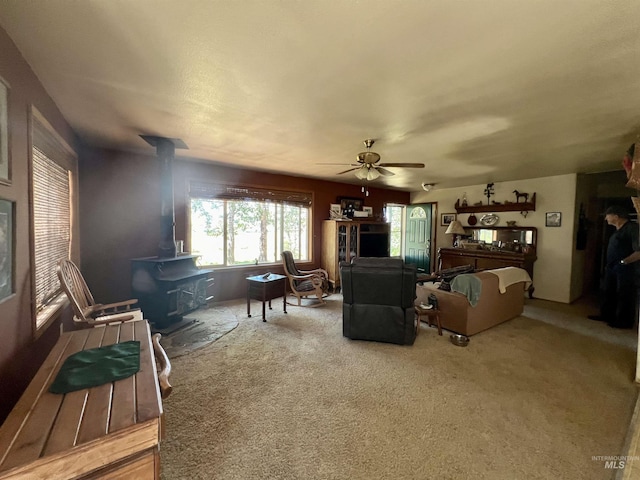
<point x="427" y="186"/>
<point x="367" y="172"/>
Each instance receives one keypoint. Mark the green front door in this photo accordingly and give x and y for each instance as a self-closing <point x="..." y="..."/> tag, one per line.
<point x="418" y="236"/>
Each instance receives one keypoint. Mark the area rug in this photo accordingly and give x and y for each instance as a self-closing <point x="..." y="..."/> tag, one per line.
<point x="207" y="326"/>
<point x="293" y="399"/>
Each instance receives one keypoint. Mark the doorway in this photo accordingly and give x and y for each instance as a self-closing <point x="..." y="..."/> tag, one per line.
<point x="419" y="236"/>
<point x="597" y="239"/>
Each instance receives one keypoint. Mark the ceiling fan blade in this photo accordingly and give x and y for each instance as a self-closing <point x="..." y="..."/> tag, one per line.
<point x="352" y="164"/>
<point x="384" y="171"/>
<point x="347" y="171"/>
<point x="403" y="165"/>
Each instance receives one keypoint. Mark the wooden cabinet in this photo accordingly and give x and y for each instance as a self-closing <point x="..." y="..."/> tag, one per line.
<point x="108" y="431"/>
<point x="343" y="240"/>
<point x="497" y="247"/>
<point x="484" y="260"/>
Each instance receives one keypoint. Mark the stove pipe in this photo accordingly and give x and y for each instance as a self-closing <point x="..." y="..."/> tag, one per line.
<point x="165" y="150"/>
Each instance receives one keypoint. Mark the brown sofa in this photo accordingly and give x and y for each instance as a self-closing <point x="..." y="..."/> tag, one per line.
<point x="457" y="314"/>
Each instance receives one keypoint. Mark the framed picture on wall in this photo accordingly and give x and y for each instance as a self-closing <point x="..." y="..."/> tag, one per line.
<point x="349" y="203"/>
<point x="335" y="211"/>
<point x="6" y="248"/>
<point x="5" y="170"/>
<point x="447" y="218"/>
<point x="553" y="219"/>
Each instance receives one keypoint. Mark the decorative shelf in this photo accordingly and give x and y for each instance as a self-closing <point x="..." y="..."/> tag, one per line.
<point x="503" y="207"/>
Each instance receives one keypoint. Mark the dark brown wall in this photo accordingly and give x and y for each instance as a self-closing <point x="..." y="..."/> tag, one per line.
<point x="20" y="352"/>
<point x="120" y="214"/>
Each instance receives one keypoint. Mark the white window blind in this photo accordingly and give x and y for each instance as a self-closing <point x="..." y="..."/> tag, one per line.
<point x="51" y="186"/>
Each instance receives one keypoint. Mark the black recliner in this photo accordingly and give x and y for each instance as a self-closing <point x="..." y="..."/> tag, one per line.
<point x="378" y="298"/>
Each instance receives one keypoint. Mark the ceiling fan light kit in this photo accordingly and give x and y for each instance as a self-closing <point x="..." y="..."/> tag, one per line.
<point x="366" y="172"/>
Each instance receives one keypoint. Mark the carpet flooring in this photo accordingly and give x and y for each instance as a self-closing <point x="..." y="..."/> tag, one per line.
<point x="293" y="399"/>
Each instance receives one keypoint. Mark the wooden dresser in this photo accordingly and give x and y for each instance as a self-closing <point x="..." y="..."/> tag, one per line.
<point x="109" y="431"/>
<point x="484" y="260"/>
<point x="516" y="247"/>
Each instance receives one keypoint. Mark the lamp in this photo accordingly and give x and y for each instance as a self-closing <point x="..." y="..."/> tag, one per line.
<point x="455" y="228"/>
<point x="427" y="186"/>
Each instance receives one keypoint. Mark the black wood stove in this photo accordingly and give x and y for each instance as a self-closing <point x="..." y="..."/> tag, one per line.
<point x="171" y="284"/>
<point x="168" y="288"/>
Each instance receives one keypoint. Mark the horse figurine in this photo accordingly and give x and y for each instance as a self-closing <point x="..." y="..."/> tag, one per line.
<point x="521" y="195"/>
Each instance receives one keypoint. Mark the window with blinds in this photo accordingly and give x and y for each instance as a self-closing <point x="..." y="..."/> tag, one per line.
<point x="234" y="225"/>
<point x="52" y="214"/>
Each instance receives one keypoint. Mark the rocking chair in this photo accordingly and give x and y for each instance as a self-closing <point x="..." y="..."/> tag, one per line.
<point x="305" y="283"/>
<point x="85" y="309"/>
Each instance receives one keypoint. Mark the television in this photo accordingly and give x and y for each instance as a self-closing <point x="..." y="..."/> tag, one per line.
<point x="374" y="245"/>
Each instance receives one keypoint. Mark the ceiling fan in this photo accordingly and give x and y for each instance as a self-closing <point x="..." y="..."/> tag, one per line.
<point x="367" y="166"/>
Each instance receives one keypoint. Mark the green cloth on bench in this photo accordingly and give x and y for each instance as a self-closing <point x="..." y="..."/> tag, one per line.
<point x="96" y="366"/>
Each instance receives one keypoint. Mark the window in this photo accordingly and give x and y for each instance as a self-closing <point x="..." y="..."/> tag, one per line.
<point x="395" y="214"/>
<point x="247" y="226"/>
<point x="52" y="162"/>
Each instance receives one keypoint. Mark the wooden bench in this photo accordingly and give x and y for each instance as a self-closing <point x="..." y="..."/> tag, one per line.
<point x="112" y="430"/>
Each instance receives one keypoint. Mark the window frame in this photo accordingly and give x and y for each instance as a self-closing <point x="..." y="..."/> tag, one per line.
<point x="277" y="192"/>
<point x="42" y="320"/>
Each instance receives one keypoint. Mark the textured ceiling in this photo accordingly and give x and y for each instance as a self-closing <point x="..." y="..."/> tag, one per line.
<point x="478" y="91"/>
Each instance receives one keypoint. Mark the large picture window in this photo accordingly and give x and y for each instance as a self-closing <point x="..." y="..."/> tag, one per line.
<point x="242" y="226"/>
<point x="52" y="164"/>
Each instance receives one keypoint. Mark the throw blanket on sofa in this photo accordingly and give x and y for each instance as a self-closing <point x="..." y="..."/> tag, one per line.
<point x="510" y="275"/>
<point x="469" y="285"/>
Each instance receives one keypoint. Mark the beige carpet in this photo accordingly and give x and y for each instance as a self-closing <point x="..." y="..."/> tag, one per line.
<point x="293" y="399"/>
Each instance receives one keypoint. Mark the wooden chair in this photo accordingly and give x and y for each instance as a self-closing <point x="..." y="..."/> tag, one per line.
<point x="305" y="283"/>
<point x="85" y="309"/>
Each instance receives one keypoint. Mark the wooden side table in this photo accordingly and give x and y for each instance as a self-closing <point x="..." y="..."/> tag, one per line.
<point x="429" y="313"/>
<point x="265" y="289"/>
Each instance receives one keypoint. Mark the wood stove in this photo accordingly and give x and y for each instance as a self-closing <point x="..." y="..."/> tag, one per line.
<point x="171" y="284"/>
<point x="167" y="288"/>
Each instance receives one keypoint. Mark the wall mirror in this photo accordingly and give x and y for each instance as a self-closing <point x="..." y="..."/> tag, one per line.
<point x="508" y="238"/>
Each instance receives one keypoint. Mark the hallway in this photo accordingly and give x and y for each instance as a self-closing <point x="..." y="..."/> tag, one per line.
<point x="574" y="317"/>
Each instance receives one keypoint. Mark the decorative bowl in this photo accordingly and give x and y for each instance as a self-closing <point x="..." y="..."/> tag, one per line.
<point x="489" y="219"/>
<point x="459" y="340"/>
